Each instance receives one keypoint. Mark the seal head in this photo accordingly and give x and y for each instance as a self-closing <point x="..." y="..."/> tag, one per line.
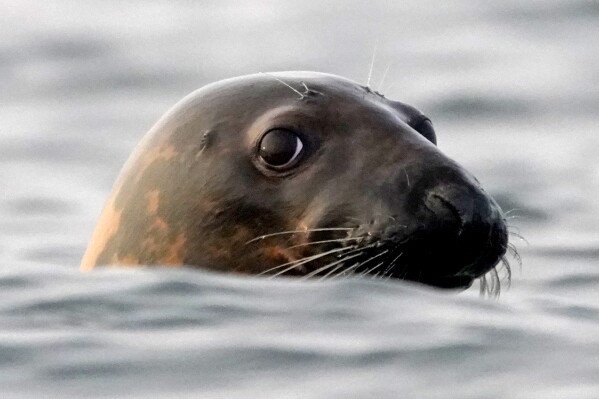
<point x="304" y="174"/>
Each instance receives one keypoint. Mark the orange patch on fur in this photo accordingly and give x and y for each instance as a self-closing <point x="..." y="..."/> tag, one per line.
<point x="153" y="201"/>
<point x="165" y="153"/>
<point x="159" y="224"/>
<point x="278" y="253"/>
<point x="107" y="227"/>
<point x="174" y="256"/>
<point x="126" y="261"/>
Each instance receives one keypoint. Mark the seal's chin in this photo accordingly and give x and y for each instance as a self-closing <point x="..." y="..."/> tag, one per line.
<point x="461" y="282"/>
<point x="421" y="272"/>
<point x="446" y="268"/>
<point x="434" y="261"/>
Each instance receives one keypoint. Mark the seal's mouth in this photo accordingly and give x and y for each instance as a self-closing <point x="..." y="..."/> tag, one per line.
<point x="343" y="252"/>
<point x="398" y="263"/>
<point x="393" y="262"/>
<point x="435" y="257"/>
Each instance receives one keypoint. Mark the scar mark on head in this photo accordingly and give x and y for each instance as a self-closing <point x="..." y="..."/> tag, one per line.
<point x="204" y="142"/>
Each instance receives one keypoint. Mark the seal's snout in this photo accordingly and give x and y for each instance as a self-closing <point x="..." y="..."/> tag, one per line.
<point x="465" y="226"/>
<point x="457" y="207"/>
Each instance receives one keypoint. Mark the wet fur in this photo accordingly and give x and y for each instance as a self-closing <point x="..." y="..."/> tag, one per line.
<point x="172" y="205"/>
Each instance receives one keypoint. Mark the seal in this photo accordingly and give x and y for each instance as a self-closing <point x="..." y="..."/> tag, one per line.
<point x="299" y="174"/>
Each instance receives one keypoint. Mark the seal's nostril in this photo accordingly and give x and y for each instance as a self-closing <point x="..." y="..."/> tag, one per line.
<point x="457" y="203"/>
<point x="441" y="207"/>
<point x="445" y="212"/>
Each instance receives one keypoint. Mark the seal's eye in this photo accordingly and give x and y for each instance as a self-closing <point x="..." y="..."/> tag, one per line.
<point x="425" y="128"/>
<point x="280" y="147"/>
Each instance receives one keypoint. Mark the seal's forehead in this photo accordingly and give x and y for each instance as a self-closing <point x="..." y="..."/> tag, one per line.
<point x="327" y="84"/>
<point x="315" y="78"/>
<point x="347" y="89"/>
<point x="284" y="84"/>
<point x="238" y="101"/>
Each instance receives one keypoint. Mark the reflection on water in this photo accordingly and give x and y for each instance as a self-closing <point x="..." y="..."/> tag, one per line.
<point x="512" y="88"/>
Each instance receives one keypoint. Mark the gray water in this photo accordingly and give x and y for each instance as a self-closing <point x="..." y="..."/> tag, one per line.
<point x="513" y="90"/>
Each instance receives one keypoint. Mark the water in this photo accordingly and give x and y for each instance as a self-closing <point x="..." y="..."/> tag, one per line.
<point x="512" y="88"/>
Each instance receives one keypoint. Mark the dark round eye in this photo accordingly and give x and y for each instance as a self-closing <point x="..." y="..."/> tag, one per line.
<point x="425" y="128"/>
<point x="280" y="147"/>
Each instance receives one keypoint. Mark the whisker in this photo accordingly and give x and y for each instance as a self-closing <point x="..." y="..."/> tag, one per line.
<point x="515" y="254"/>
<point x="508" y="270"/>
<point x="347" y="253"/>
<point x="358" y="248"/>
<point x="372" y="64"/>
<point x="511" y="210"/>
<point x="304" y="260"/>
<point x="305" y="87"/>
<point x="483" y="285"/>
<point x="324" y="242"/>
<point x="396" y="258"/>
<point x="333" y="271"/>
<point x="346" y="271"/>
<point x="321" y="269"/>
<point x="372" y="269"/>
<point x="298" y="231"/>
<point x="392" y="264"/>
<point x="520" y="237"/>
<point x="285" y="83"/>
<point x="405" y="271"/>
<point x="376" y="256"/>
<point x="497" y="280"/>
<point x="352" y="267"/>
<point x="384" y="76"/>
<point x="493" y="279"/>
<point x="490" y="284"/>
<point x="389" y="87"/>
<point x="513" y="229"/>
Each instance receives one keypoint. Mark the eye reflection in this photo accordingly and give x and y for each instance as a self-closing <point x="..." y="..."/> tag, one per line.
<point x="280" y="147"/>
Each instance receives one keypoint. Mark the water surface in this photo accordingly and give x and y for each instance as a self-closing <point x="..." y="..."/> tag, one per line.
<point x="512" y="88"/>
